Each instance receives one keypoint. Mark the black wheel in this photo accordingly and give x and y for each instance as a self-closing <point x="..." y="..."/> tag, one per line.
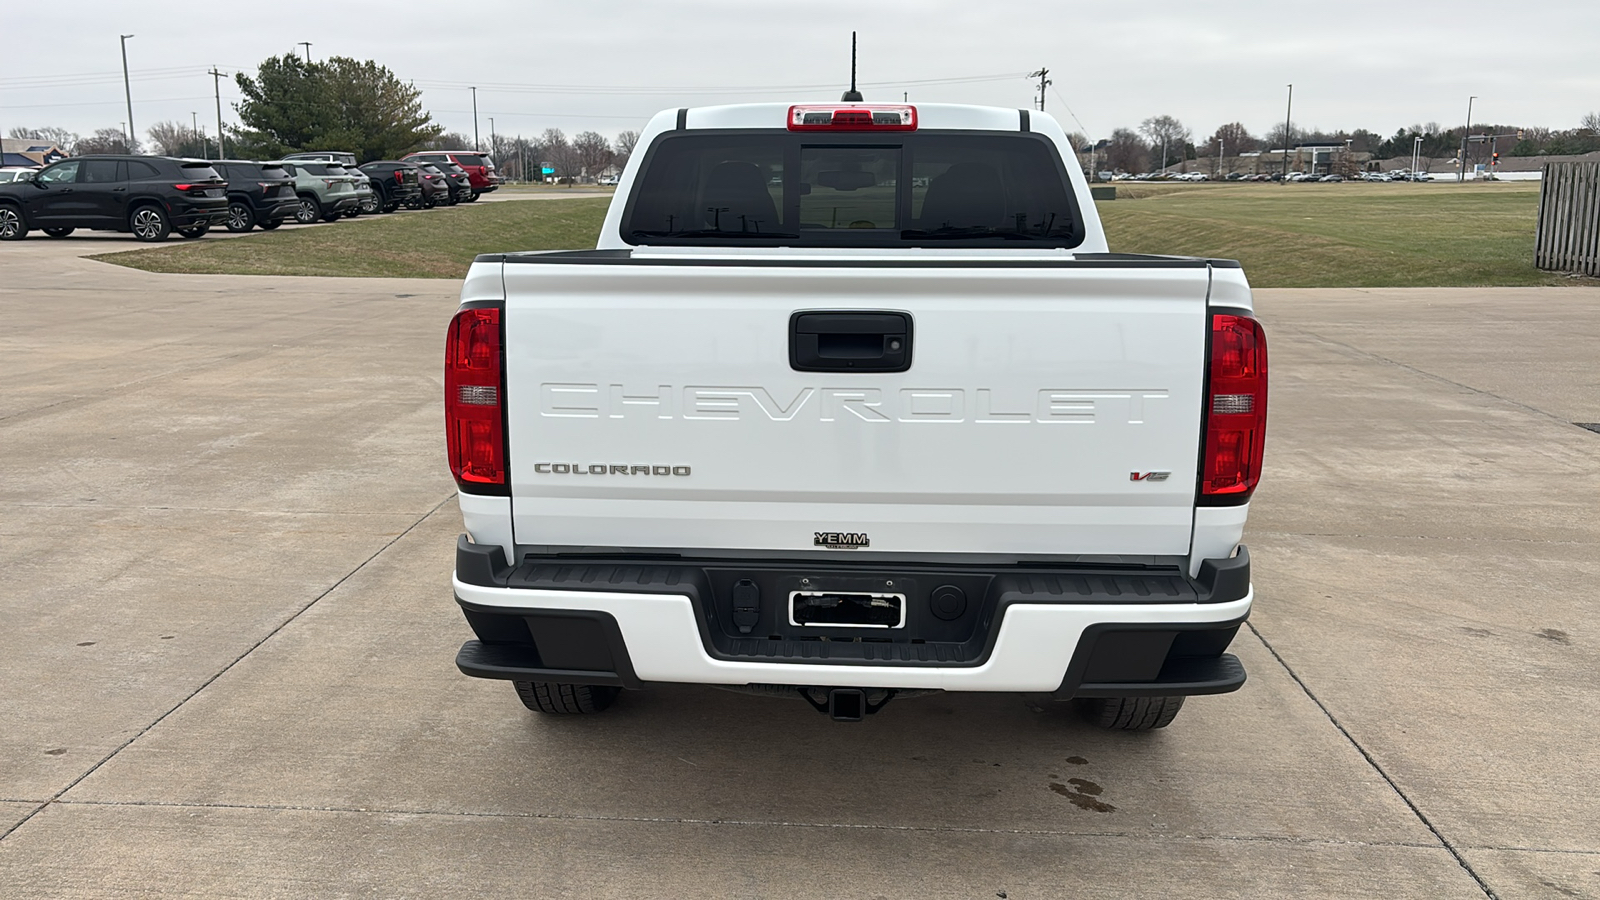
<point x="310" y="210"/>
<point x="241" y="217"/>
<point x="430" y="203"/>
<point x="372" y="204"/>
<point x="194" y="231"/>
<point x="59" y="232"/>
<point x="564" y="699"/>
<point x="268" y="226"/>
<point x="352" y="213"/>
<point x="333" y="216"/>
<point x="150" y="224"/>
<point x="472" y="197"/>
<point x="1130" y="713"/>
<point x="414" y="203"/>
<point x="13" y="227"/>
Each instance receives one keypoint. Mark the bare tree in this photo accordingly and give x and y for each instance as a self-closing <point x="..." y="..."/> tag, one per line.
<point x="1167" y="133"/>
<point x="61" y="137"/>
<point x="452" y="140"/>
<point x="178" y="139"/>
<point x="594" y="152"/>
<point x="623" y="147"/>
<point x="556" y="151"/>
<point x="1275" y="140"/>
<point x="1230" y="138"/>
<point x="1591" y="123"/>
<point x="1126" y="152"/>
<point x="104" y="140"/>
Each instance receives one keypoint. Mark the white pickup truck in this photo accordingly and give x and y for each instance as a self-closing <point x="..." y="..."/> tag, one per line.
<point x="852" y="402"/>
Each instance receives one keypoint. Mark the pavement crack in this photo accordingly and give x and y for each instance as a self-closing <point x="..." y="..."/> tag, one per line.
<point x="1416" y="810"/>
<point x="56" y="797"/>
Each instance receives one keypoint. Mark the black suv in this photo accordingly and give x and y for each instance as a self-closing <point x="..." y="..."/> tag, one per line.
<point x="394" y="184"/>
<point x="150" y="196"/>
<point x="258" y="194"/>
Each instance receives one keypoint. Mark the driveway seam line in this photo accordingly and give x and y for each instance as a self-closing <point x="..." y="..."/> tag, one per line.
<point x="225" y="669"/>
<point x="1440" y="378"/>
<point x="1371" y="761"/>
<point x="748" y="823"/>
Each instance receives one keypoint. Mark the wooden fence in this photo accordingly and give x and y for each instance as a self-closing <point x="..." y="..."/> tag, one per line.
<point x="1569" y="218"/>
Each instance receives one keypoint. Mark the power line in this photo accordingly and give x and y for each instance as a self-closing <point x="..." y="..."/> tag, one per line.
<point x="515" y="87"/>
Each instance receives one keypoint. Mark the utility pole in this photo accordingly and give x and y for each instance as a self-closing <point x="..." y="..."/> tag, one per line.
<point x="492" y="144"/>
<point x="1461" y="174"/>
<point x="1416" y="155"/>
<point x="1288" y="118"/>
<point x="127" y="91"/>
<point x="216" y="83"/>
<point x="475" y="119"/>
<point x="1043" y="83"/>
<point x="194" y="124"/>
<point x="307" y="45"/>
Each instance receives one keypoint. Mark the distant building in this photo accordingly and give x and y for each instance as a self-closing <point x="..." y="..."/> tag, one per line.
<point x="29" y="152"/>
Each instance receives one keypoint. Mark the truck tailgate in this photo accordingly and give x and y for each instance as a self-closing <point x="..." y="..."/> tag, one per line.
<point x="1049" y="408"/>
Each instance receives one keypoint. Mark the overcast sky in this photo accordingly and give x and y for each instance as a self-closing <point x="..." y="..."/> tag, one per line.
<point x="609" y="66"/>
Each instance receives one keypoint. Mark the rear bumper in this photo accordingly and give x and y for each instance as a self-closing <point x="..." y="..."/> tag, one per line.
<point x="1066" y="645"/>
<point x="188" y="215"/>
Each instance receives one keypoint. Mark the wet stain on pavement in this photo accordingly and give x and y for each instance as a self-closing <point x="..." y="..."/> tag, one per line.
<point x="1083" y="793"/>
<point x="1554" y="634"/>
<point x="1477" y="632"/>
<point x="1077" y="760"/>
<point x="56" y="751"/>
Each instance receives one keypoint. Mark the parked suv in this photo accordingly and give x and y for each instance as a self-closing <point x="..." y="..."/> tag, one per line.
<point x="435" y="186"/>
<point x="150" y="196"/>
<point x="459" y="181"/>
<point x="479" y="167"/>
<point x="258" y="194"/>
<point x="324" y="189"/>
<point x="394" y="184"/>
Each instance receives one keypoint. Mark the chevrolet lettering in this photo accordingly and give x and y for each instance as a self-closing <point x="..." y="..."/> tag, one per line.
<point x="855" y="318"/>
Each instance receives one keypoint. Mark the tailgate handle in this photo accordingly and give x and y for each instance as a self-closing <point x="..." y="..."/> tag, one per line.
<point x="850" y="341"/>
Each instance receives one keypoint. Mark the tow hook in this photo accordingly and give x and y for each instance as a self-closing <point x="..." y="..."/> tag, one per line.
<point x="847" y="704"/>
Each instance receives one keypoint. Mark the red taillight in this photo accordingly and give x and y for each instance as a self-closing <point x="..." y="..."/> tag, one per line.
<point x="473" y="401"/>
<point x="852" y="118"/>
<point x="1236" y="408"/>
<point x="397" y="177"/>
<point x="182" y="187"/>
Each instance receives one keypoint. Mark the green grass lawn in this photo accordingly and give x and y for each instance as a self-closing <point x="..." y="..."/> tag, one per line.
<point x="1329" y="235"/>
<point x="1340" y="235"/>
<point x="434" y="243"/>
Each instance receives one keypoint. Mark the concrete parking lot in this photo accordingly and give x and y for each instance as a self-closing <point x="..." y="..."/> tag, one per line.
<point x="226" y="639"/>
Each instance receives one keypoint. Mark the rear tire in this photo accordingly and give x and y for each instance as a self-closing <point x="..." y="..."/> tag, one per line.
<point x="149" y="224"/>
<point x="310" y="210"/>
<point x="241" y="217"/>
<point x="59" y="232"/>
<point x="372" y="205"/>
<point x="195" y="231"/>
<point x="268" y="226"/>
<point x="472" y="197"/>
<point x="557" y="699"/>
<point x="13" y="227"/>
<point x="1130" y="713"/>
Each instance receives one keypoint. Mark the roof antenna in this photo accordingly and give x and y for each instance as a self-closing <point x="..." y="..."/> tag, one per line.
<point x="852" y="95"/>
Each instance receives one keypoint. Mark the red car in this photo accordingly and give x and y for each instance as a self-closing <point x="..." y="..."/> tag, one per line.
<point x="477" y="165"/>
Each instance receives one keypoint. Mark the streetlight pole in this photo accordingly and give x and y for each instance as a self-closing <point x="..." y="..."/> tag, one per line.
<point x="127" y="92"/>
<point x="1461" y="174"/>
<point x="1288" y="117"/>
<point x="307" y="45"/>
<point x="475" y="119"/>
<point x="491" y="135"/>
<point x="1416" y="155"/>
<point x="194" y="124"/>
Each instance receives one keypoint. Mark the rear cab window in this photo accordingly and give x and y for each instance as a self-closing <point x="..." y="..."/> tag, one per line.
<point x="909" y="189"/>
<point x="470" y="159"/>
